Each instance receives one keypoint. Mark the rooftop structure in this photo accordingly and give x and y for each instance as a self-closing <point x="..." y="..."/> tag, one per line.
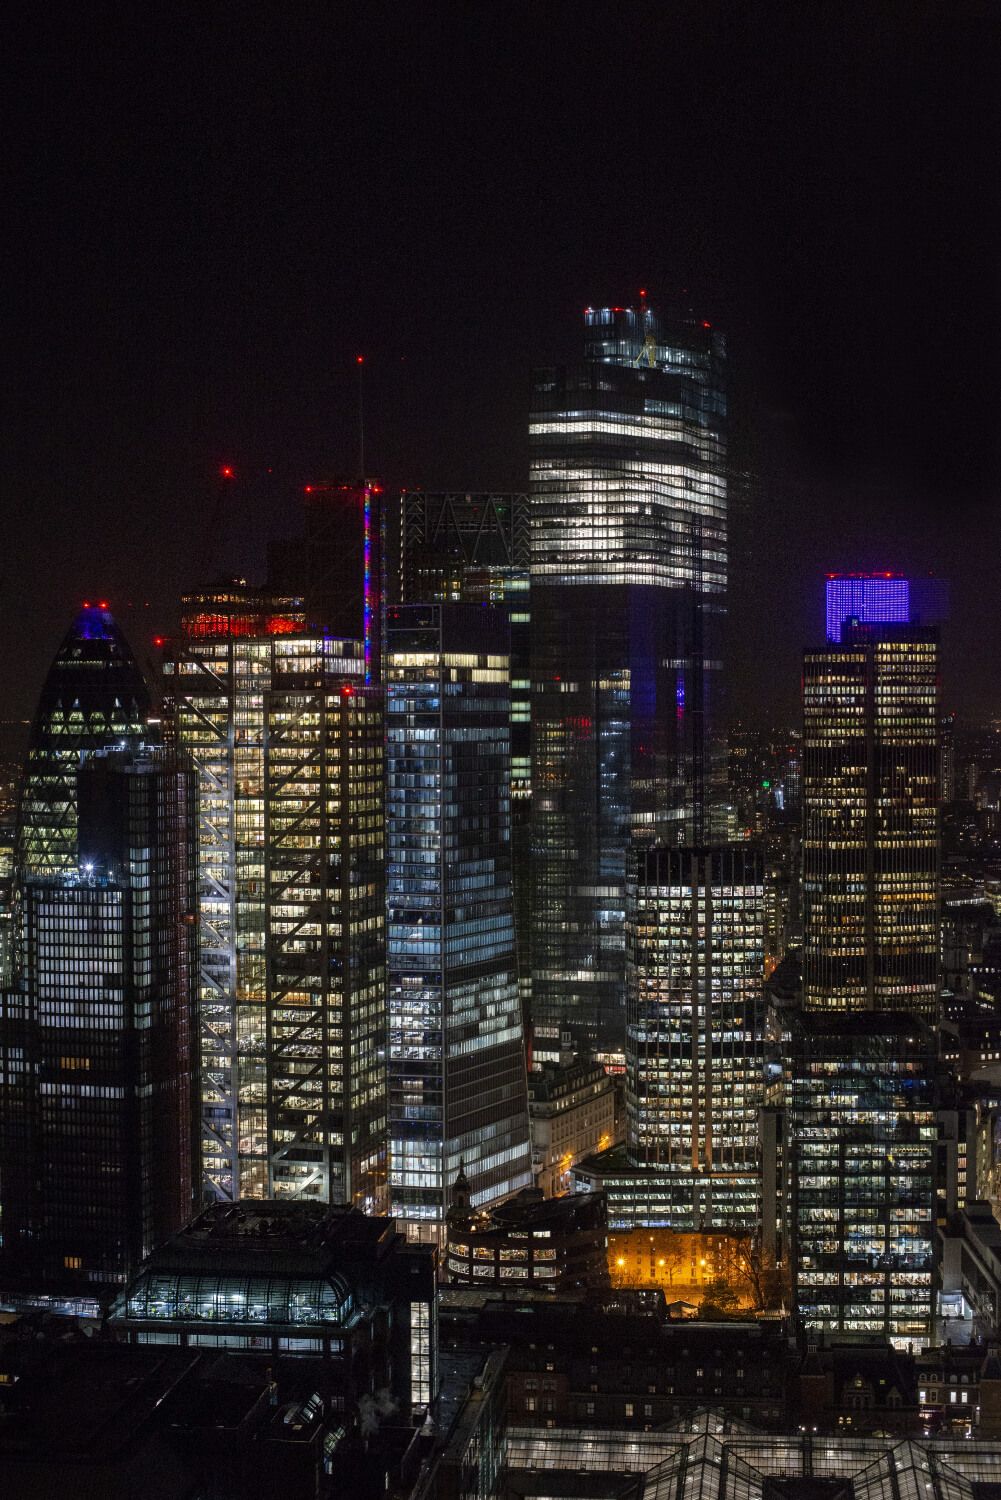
<point x="883" y="599"/>
<point x="292" y="1278"/>
<point x="552" y="1243"/>
<point x="719" y="1457"/>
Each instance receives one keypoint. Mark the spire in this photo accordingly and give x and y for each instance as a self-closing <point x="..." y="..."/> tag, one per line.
<point x="460" y="1205"/>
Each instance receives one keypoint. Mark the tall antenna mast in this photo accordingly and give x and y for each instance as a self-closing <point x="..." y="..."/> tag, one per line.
<point x="360" y="362"/>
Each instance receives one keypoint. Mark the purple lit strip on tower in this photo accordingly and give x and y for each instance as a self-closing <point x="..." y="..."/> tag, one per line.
<point x="367" y="603"/>
<point x="870" y="598"/>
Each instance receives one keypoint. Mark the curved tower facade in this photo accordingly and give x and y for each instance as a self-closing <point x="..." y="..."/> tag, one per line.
<point x="95" y="695"/>
<point x="628" y="575"/>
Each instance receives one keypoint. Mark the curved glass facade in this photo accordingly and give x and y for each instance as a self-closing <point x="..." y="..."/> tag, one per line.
<point x="224" y="1298"/>
<point x="628" y="572"/>
<point x="95" y="695"/>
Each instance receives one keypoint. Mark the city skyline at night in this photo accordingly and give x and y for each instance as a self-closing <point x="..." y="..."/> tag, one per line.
<point x="500" y="753"/>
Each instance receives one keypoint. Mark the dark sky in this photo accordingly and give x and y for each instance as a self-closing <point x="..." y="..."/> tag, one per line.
<point x="210" y="210"/>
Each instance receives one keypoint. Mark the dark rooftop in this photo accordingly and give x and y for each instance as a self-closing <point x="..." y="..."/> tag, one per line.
<point x="83" y="1400"/>
<point x="257" y="1236"/>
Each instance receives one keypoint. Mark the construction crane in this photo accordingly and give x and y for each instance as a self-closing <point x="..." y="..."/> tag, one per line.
<point x="649" y="349"/>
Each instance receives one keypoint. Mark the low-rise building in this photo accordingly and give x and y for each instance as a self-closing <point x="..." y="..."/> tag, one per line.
<point x="949" y="1380"/>
<point x="571" y="1106"/>
<point x="969" y="1244"/>
<point x="623" y="1361"/>
<point x="556" y="1244"/>
<point x="287" y="1278"/>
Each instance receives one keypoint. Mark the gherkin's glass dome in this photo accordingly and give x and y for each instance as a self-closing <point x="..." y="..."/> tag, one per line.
<point x="94" y="695"/>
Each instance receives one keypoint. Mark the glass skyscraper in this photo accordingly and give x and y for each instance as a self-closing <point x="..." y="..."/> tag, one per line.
<point x="871" y="822"/>
<point x="287" y="742"/>
<point x="94" y="695"/>
<point x="694" y="1028"/>
<point x="325" y="1042"/>
<point x="694" y="1044"/>
<point x="457" y="1082"/>
<point x="860" y="1096"/>
<point x="863" y="1140"/>
<point x="474" y="548"/>
<point x="628" y="572"/>
<point x="97" y="1039"/>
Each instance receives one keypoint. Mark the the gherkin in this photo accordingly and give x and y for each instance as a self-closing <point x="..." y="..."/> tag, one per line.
<point x="94" y="695"/>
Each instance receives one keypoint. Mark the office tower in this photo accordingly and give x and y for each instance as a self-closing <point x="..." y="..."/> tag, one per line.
<point x="457" y="1089"/>
<point x="94" y="695"/>
<point x="863" y="1132"/>
<point x="883" y="599"/>
<point x="96" y="1118"/>
<point x="694" y="1043"/>
<point x="628" y="570"/>
<point x="442" y="534"/>
<point x="870" y="822"/>
<point x="473" y="548"/>
<point x="338" y="565"/>
<point x="286" y="739"/>
<point x="325" y="926"/>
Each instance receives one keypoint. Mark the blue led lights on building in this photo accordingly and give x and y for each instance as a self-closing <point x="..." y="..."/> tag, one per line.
<point x="869" y="598"/>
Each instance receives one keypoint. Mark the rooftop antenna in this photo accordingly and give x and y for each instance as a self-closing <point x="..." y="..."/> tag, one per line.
<point x="360" y="362"/>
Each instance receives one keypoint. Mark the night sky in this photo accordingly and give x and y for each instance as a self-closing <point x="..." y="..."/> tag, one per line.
<point x="209" y="211"/>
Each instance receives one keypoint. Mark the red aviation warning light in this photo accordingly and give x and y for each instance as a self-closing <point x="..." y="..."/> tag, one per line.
<point x="226" y="472"/>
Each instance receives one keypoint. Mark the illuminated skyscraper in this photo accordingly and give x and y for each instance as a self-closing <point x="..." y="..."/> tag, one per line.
<point x="694" y="1044"/>
<point x="863" y="1142"/>
<point x="287" y="742"/>
<point x="473" y="548"/>
<point x="324" y="808"/>
<point x="628" y="570"/>
<point x="457" y="1084"/>
<point x="94" y="695"/>
<point x="860" y="1101"/>
<point x="871" y="822"/>
<point x="97" y="1127"/>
